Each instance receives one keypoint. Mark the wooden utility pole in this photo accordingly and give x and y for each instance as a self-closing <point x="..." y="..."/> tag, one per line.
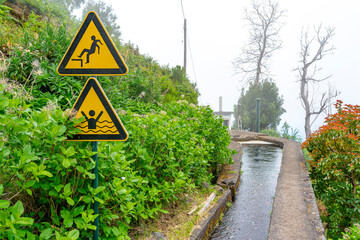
<point x="185" y="45"/>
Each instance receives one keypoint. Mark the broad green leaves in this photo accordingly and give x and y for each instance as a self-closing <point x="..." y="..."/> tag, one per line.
<point x="334" y="167"/>
<point x="174" y="150"/>
<point x="11" y="220"/>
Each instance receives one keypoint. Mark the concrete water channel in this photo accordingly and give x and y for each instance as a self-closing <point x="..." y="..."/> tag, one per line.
<point x="249" y="215"/>
<point x="291" y="208"/>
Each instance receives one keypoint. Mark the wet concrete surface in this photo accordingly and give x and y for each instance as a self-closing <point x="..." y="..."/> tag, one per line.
<point x="249" y="216"/>
<point x="295" y="213"/>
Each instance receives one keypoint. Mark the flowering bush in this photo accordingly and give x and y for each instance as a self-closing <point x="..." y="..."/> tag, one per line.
<point x="335" y="167"/>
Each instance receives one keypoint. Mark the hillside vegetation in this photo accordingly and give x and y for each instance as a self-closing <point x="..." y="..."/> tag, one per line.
<point x="46" y="188"/>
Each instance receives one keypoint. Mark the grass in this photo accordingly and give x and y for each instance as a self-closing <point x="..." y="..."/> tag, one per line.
<point x="176" y="224"/>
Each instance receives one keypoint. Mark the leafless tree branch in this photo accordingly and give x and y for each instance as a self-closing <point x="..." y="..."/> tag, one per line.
<point x="263" y="18"/>
<point x="308" y="70"/>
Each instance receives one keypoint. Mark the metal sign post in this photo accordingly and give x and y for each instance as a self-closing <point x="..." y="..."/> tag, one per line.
<point x="96" y="183"/>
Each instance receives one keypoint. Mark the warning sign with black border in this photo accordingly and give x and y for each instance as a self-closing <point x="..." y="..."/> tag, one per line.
<point x="101" y="123"/>
<point x="92" y="52"/>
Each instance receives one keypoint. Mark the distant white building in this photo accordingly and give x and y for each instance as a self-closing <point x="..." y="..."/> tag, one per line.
<point x="225" y="115"/>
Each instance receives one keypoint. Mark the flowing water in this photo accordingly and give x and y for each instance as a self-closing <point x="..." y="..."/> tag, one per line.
<point x="249" y="216"/>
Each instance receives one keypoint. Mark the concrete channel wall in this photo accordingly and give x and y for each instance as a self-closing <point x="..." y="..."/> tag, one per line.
<point x="295" y="213"/>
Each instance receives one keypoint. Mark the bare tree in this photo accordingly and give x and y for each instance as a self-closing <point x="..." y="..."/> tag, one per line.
<point x="314" y="103"/>
<point x="264" y="20"/>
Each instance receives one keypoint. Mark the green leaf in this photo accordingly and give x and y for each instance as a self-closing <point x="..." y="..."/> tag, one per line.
<point x="87" y="199"/>
<point x="31" y="167"/>
<point x="29" y="191"/>
<point x="67" y="189"/>
<point x="68" y="222"/>
<point x="163" y="211"/>
<point x="30" y="236"/>
<point x="121" y="191"/>
<point x="80" y="169"/>
<point x="78" y="210"/>
<point x="46" y="173"/>
<point x="25" y="221"/>
<point x="99" y="189"/>
<point x="1" y="189"/>
<point x="73" y="234"/>
<point x="68" y="219"/>
<point x="46" y="234"/>
<point x="59" y="187"/>
<point x="90" y="226"/>
<point x="66" y="163"/>
<point x="4" y="204"/>
<point x="148" y="167"/>
<point x="144" y="216"/>
<point x="80" y="223"/>
<point x="113" y="216"/>
<point x="58" y="130"/>
<point x="91" y="175"/>
<point x="18" y="209"/>
<point x="99" y="200"/>
<point x="70" y="151"/>
<point x="116" y="231"/>
<point x="65" y="214"/>
<point x="57" y="235"/>
<point x="30" y="183"/>
<point x="70" y="201"/>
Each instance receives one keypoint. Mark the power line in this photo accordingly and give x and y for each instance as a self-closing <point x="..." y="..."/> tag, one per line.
<point x="182" y="7"/>
<point x="192" y="60"/>
<point x="188" y="42"/>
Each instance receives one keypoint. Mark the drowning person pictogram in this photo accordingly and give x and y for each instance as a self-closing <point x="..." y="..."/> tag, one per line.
<point x="92" y="121"/>
<point x="91" y="124"/>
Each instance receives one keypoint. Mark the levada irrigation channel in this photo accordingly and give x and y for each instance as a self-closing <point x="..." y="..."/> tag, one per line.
<point x="249" y="216"/>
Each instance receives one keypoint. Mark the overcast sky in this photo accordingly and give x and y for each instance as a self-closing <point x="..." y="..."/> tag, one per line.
<point x="217" y="32"/>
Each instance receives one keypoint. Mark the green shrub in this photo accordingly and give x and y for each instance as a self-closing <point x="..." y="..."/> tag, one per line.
<point x="172" y="148"/>
<point x="168" y="153"/>
<point x="34" y="63"/>
<point x="334" y="167"/>
<point x="286" y="132"/>
<point x="271" y="132"/>
<point x="11" y="221"/>
<point x="353" y="233"/>
<point x="185" y="137"/>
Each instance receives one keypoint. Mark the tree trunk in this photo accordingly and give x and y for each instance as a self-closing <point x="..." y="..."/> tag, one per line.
<point x="306" y="77"/>
<point x="307" y="125"/>
<point x="304" y="98"/>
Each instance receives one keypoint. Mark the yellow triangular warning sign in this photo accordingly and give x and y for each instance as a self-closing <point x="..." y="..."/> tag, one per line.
<point x="92" y="52"/>
<point x="101" y="122"/>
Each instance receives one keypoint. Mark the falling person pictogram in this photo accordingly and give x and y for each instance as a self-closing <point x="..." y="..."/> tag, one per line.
<point x="92" y="121"/>
<point x="92" y="49"/>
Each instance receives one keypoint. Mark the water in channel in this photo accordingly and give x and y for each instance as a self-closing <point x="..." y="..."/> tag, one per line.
<point x="249" y="216"/>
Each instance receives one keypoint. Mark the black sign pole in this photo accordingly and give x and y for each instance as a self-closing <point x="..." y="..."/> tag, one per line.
<point x="96" y="184"/>
<point x="96" y="203"/>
